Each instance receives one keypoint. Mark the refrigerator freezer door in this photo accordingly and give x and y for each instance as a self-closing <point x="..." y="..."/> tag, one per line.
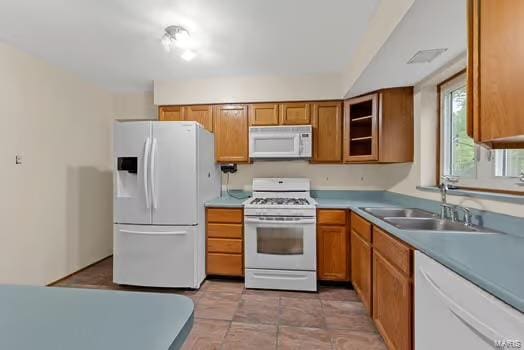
<point x="173" y="173"/>
<point x="155" y="256"/>
<point x="132" y="142"/>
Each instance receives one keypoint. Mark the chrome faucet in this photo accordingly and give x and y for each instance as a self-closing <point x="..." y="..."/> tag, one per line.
<point x="447" y="210"/>
<point x="467" y="215"/>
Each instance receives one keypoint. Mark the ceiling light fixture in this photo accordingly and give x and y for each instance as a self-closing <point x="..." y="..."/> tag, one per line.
<point x="178" y="37"/>
<point x="188" y="55"/>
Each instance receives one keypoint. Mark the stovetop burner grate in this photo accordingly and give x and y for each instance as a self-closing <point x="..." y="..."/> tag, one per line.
<point x="280" y="201"/>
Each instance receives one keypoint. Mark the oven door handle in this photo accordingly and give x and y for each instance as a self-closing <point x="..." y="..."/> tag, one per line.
<point x="277" y="220"/>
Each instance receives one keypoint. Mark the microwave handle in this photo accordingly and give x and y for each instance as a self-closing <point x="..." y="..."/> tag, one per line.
<point x="298" y="144"/>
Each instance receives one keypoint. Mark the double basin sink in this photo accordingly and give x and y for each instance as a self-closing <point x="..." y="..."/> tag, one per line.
<point x="421" y="220"/>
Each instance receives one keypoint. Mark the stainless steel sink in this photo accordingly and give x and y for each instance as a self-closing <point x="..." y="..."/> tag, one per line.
<point x="433" y="224"/>
<point x="399" y="212"/>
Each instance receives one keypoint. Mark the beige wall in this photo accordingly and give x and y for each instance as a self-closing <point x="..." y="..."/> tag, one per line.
<point x="56" y="207"/>
<point x="423" y="170"/>
<point x="325" y="177"/>
<point x="248" y="89"/>
<point x="385" y="19"/>
<point x="134" y="105"/>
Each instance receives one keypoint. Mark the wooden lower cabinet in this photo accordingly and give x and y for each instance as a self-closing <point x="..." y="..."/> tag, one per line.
<point x="392" y="303"/>
<point x="333" y="253"/>
<point x="361" y="275"/>
<point x="221" y="264"/>
<point x="225" y="242"/>
<point x="393" y="290"/>
<point x="333" y="246"/>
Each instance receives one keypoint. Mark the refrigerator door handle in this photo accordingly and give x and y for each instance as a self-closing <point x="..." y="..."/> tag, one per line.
<point x="147" y="146"/>
<point x="178" y="233"/>
<point x="153" y="174"/>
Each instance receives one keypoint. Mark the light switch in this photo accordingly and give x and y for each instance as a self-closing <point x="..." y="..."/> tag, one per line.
<point x="18" y="159"/>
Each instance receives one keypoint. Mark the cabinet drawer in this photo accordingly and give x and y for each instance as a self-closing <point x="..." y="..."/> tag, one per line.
<point x="361" y="227"/>
<point x="224" y="215"/>
<point x="224" y="231"/>
<point x="331" y="217"/>
<point x="224" y="264"/>
<point x="224" y="245"/>
<point x="396" y="252"/>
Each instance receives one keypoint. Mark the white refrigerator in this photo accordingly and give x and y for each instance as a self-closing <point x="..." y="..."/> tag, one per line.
<point x="164" y="172"/>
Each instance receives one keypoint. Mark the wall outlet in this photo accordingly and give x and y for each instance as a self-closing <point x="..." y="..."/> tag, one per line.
<point x="18" y="159"/>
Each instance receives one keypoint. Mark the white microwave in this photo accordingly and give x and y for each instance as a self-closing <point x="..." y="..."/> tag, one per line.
<point x="271" y="142"/>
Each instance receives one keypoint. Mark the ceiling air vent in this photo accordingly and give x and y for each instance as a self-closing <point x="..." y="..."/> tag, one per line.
<point x="426" y="56"/>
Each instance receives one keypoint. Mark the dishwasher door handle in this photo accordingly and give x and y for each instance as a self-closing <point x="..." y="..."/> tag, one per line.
<point x="483" y="331"/>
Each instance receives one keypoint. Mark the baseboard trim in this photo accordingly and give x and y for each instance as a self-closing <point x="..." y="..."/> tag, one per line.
<point x="82" y="269"/>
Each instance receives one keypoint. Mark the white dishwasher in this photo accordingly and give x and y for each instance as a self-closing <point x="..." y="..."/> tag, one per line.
<point x="452" y="313"/>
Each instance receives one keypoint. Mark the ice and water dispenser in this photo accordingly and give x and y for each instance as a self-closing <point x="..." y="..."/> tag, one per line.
<point x="127" y="176"/>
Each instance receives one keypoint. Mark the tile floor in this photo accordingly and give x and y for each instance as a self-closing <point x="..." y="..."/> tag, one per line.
<point x="227" y="316"/>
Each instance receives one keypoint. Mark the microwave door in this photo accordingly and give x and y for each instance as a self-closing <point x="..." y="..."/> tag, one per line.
<point x="275" y="146"/>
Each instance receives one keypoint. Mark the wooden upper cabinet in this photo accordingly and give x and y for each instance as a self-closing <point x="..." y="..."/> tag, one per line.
<point x="496" y="72"/>
<point x="231" y="133"/>
<point x="361" y="129"/>
<point x="261" y="114"/>
<point x="171" y="113"/>
<point x="379" y="127"/>
<point x="202" y="114"/>
<point x="327" y="132"/>
<point x="295" y="113"/>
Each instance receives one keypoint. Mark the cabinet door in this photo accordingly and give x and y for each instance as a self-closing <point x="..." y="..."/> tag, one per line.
<point x="327" y="132"/>
<point x="231" y="133"/>
<point x="333" y="253"/>
<point x="361" y="268"/>
<point x="263" y="114"/>
<point x="201" y="114"/>
<point x="392" y="294"/>
<point x="495" y="73"/>
<point x="361" y="129"/>
<point x="296" y="113"/>
<point x="171" y="113"/>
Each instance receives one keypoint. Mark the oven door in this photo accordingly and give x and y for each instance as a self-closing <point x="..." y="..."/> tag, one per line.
<point x="278" y="145"/>
<point x="284" y="243"/>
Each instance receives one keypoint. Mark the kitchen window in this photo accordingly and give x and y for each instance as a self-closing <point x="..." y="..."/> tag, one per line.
<point x="473" y="165"/>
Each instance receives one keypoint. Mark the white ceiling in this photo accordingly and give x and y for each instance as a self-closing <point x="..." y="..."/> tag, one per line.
<point x="429" y="24"/>
<point x="115" y="43"/>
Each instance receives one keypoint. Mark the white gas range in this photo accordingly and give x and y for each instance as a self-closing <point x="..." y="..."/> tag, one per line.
<point x="280" y="235"/>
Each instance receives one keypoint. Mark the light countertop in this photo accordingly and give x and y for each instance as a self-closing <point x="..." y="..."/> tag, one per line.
<point x="494" y="262"/>
<point x="50" y="318"/>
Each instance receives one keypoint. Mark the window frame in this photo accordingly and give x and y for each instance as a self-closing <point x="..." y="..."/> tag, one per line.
<point x="485" y="180"/>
